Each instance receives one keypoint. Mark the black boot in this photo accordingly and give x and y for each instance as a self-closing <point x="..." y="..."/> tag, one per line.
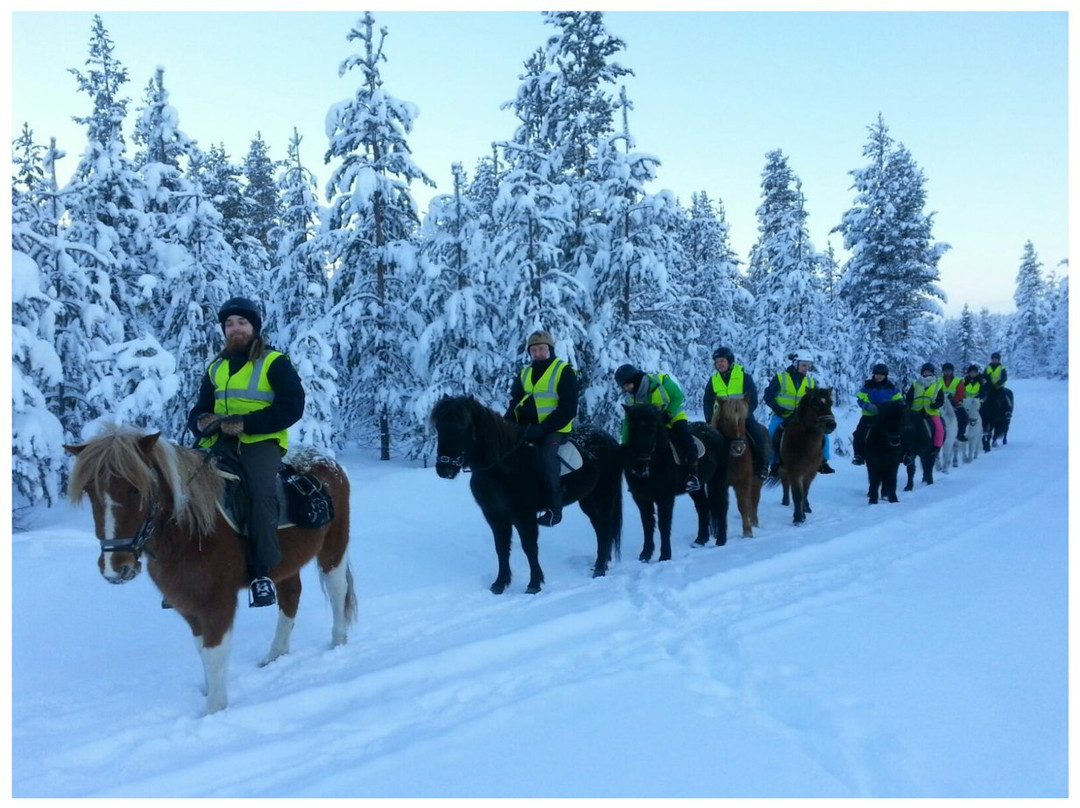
<point x="263" y="592"/>
<point x="826" y="468"/>
<point x="692" y="481"/>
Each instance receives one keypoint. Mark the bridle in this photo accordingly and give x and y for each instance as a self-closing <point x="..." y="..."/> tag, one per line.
<point x="460" y="463"/>
<point x="137" y="544"/>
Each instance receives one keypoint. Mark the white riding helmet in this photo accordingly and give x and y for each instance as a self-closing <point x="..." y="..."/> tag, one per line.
<point x="801" y="355"/>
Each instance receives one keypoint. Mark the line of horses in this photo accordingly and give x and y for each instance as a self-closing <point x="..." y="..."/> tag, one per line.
<point x="157" y="499"/>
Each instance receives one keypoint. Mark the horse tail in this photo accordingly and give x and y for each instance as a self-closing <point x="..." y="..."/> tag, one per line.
<point x="350" y="596"/>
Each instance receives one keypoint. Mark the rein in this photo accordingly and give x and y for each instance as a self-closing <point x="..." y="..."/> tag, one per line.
<point x="459" y="461"/>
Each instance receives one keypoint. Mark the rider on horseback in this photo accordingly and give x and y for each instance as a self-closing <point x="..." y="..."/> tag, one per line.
<point x="782" y="396"/>
<point x="875" y="391"/>
<point x="661" y="390"/>
<point x="544" y="400"/>
<point x="248" y="398"/>
<point x="954" y="392"/>
<point x="730" y="379"/>
<point x="926" y="395"/>
<point x="995" y="371"/>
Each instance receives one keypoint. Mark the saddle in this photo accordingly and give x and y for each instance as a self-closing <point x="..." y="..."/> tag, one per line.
<point x="302" y="500"/>
<point x="570" y="458"/>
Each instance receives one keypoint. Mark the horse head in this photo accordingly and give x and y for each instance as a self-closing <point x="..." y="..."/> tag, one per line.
<point x="455" y="435"/>
<point x="114" y="471"/>
<point x="645" y="433"/>
<point x="815" y="410"/>
<point x="890" y="421"/>
<point x="729" y="419"/>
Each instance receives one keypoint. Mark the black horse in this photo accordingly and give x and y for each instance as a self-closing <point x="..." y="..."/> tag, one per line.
<point x="996" y="414"/>
<point x="655" y="478"/>
<point x="884" y="449"/>
<point x="918" y="432"/>
<point x="507" y="486"/>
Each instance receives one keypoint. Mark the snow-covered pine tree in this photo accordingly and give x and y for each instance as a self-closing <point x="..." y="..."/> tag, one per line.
<point x="836" y="339"/>
<point x="718" y="299"/>
<point x="1027" y="337"/>
<point x="1057" y="362"/>
<point x="967" y="341"/>
<point x="371" y="243"/>
<point x="784" y="274"/>
<point x="220" y="179"/>
<point x="297" y="316"/>
<point x="891" y="278"/>
<point x="456" y="311"/>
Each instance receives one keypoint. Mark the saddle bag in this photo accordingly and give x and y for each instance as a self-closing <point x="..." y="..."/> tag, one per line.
<point x="307" y="502"/>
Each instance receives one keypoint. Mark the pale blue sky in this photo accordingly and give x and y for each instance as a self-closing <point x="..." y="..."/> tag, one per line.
<point x="979" y="98"/>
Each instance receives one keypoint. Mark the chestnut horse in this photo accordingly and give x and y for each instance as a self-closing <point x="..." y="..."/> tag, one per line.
<point x="729" y="418"/>
<point x="802" y="447"/>
<point x="151" y="496"/>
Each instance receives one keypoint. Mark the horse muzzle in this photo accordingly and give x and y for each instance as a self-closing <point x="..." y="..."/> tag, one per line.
<point x="448" y="467"/>
<point x="828" y="425"/>
<point x="118" y="567"/>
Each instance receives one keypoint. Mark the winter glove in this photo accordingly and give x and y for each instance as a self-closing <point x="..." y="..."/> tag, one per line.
<point x="533" y="433"/>
<point x="208" y="424"/>
<point x="233" y="425"/>
<point x="871" y="408"/>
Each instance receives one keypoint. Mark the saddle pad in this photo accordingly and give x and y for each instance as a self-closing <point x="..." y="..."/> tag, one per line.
<point x="569" y="458"/>
<point x="227" y="504"/>
<point x="699" y="449"/>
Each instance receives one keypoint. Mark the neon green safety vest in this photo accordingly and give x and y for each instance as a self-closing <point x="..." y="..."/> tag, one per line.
<point x="544" y="390"/>
<point x="247" y="390"/>
<point x="924" y="395"/>
<point x="950" y="388"/>
<point x="730" y="388"/>
<point x="789" y="397"/>
<point x="972" y="388"/>
<point x="656" y="394"/>
<point x="994" y="373"/>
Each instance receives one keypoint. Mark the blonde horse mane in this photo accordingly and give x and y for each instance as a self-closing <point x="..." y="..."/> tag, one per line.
<point x="731" y="410"/>
<point x="182" y="476"/>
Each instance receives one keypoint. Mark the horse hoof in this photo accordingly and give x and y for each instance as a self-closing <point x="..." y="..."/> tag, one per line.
<point x="498" y="588"/>
<point x="596" y="573"/>
<point x="645" y="558"/>
<point x="748" y="534"/>
<point x="532" y="590"/>
<point x="894" y="499"/>
<point x="699" y="543"/>
<point x="664" y="557"/>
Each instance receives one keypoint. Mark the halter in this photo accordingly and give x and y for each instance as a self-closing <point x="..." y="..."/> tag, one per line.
<point x="459" y="461"/>
<point x="138" y="544"/>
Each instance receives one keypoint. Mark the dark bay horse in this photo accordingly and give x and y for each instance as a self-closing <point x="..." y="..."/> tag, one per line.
<point x="996" y="413"/>
<point x="729" y="419"/>
<point x="802" y="447"/>
<point x="153" y="497"/>
<point x="918" y="434"/>
<point x="884" y="451"/>
<point x="655" y="479"/>
<point x="506" y="481"/>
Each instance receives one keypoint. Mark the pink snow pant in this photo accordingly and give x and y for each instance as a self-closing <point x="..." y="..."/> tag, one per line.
<point x="939" y="431"/>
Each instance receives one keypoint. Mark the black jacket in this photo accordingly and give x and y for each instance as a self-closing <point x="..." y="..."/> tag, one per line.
<point x="286" y="409"/>
<point x="565" y="411"/>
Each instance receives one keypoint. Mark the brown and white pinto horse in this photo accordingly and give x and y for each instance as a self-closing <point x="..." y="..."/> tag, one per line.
<point x="729" y="418"/>
<point x="802" y="447"/>
<point x="154" y="497"/>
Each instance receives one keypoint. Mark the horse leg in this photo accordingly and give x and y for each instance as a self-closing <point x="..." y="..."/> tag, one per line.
<point x="665" y="507"/>
<point x="288" y="594"/>
<point x="530" y="534"/>
<point x="648" y="526"/>
<point x="909" y="466"/>
<point x="742" y="497"/>
<point x="701" y="508"/>
<point x="797" y="501"/>
<point x="719" y="502"/>
<point x="503" y="532"/>
<point x="786" y="485"/>
<point x="875" y="482"/>
<point x="755" y="500"/>
<point x="339" y="587"/>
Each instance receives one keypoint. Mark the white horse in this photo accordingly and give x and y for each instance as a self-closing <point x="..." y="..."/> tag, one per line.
<point x="948" y="456"/>
<point x="974" y="428"/>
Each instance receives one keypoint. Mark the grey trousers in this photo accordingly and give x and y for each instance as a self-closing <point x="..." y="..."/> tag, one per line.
<point x="260" y="462"/>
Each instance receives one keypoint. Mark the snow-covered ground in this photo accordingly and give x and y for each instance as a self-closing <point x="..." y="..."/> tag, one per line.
<point x="917" y="649"/>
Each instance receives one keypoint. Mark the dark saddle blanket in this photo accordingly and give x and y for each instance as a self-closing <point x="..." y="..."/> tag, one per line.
<point x="302" y="500"/>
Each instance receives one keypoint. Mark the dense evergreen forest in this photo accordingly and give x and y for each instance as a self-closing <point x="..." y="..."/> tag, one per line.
<point x="118" y="272"/>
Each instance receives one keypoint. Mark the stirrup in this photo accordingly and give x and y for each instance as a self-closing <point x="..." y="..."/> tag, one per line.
<point x="549" y="517"/>
<point x="692" y="483"/>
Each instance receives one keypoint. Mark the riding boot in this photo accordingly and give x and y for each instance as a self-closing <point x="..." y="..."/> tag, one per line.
<point x="826" y="468"/>
<point x="692" y="481"/>
<point x="761" y="464"/>
<point x="549" y="471"/>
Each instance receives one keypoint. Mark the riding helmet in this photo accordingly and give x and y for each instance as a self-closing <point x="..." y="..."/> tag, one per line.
<point x="540" y="337"/>
<point x="626" y="374"/>
<point x="927" y="366"/>
<point x="879" y="368"/>
<point x="973" y="367"/>
<point x="244" y="307"/>
<point x="995" y="355"/>
<point x="725" y="352"/>
<point x="947" y="366"/>
<point x="801" y="355"/>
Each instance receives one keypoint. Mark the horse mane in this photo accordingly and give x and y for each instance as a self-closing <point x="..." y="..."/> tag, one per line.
<point x="180" y="476"/>
<point x="731" y="409"/>
<point x="495" y="437"/>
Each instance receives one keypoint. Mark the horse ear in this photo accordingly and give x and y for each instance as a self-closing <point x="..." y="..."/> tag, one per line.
<point x="73" y="448"/>
<point x="146" y="442"/>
